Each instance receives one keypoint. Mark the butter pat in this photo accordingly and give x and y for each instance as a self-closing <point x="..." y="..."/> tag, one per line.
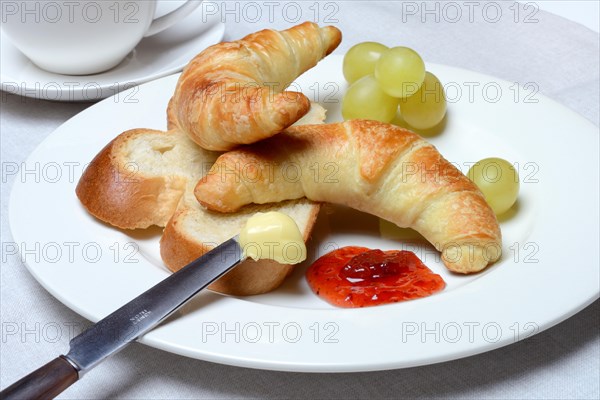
<point x="272" y="235"/>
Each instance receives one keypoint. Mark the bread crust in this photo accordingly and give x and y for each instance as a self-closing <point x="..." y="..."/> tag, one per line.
<point x="112" y="190"/>
<point x="249" y="278"/>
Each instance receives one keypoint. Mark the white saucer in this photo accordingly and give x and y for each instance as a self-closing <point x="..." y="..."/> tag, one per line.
<point x="154" y="57"/>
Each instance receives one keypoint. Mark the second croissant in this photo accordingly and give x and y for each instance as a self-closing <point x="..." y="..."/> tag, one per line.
<point x="374" y="167"/>
<point x="234" y="92"/>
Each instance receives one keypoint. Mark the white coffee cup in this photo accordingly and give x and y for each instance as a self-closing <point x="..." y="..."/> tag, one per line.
<point x="83" y="37"/>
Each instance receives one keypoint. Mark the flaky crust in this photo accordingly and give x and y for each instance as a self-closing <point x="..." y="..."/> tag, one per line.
<point x="233" y="92"/>
<point x="112" y="190"/>
<point x="371" y="166"/>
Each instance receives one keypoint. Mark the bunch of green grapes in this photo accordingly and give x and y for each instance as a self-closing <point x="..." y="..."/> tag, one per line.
<point x="384" y="79"/>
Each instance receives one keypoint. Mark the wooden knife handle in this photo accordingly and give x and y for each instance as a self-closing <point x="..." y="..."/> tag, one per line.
<point x="46" y="382"/>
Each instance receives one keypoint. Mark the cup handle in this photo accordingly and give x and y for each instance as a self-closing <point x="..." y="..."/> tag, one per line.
<point x="162" y="23"/>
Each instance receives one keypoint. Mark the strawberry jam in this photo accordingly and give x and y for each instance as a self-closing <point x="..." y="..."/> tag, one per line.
<point x="361" y="277"/>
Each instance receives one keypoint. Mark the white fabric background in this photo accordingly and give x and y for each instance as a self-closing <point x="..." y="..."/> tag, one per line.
<point x="563" y="362"/>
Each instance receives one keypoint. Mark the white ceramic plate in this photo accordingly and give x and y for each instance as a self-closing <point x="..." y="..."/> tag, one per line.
<point x="154" y="57"/>
<point x="548" y="272"/>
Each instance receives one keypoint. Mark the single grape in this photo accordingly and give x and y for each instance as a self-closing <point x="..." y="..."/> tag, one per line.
<point x="400" y="71"/>
<point x="426" y="108"/>
<point x="360" y="60"/>
<point x="498" y="181"/>
<point x="365" y="100"/>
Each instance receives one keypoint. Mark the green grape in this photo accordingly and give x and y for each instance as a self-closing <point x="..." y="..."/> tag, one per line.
<point x="400" y="71"/>
<point x="365" y="100"/>
<point x="498" y="181"/>
<point x="360" y="60"/>
<point x="426" y="108"/>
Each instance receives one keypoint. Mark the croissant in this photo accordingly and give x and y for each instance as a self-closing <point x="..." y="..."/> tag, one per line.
<point x="374" y="167"/>
<point x="233" y="92"/>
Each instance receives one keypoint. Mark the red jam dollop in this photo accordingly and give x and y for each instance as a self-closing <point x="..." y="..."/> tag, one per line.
<point x="360" y="277"/>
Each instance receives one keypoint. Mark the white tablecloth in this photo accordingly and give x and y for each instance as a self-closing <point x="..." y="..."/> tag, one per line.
<point x="561" y="57"/>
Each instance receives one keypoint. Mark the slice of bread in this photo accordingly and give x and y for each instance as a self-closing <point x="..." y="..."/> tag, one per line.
<point x="146" y="177"/>
<point x="138" y="179"/>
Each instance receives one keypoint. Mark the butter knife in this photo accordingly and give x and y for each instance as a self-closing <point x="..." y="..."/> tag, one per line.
<point x="126" y="324"/>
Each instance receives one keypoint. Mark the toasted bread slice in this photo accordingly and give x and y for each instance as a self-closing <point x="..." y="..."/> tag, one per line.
<point x="146" y="177"/>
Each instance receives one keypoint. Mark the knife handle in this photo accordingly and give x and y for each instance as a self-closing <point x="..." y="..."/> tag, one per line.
<point x="46" y="382"/>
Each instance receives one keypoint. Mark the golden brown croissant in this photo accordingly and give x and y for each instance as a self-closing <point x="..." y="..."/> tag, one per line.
<point x="233" y="93"/>
<point x="371" y="166"/>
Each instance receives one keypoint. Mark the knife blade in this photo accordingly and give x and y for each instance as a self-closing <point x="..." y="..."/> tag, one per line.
<point x="117" y="330"/>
